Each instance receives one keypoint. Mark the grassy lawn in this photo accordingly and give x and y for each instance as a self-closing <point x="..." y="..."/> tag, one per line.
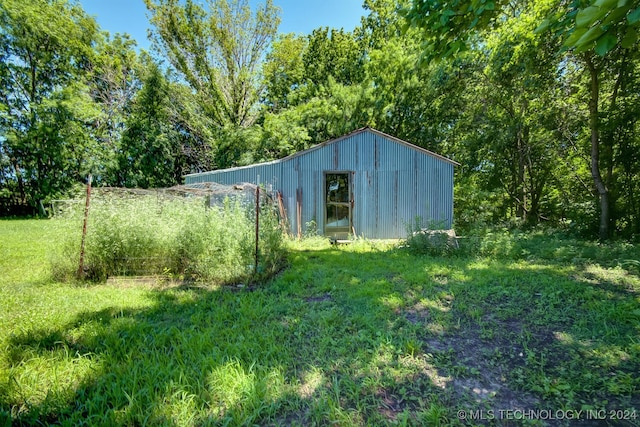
<point x="364" y="334"/>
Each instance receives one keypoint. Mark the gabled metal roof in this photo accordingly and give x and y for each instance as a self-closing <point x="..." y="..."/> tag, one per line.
<point x="335" y="140"/>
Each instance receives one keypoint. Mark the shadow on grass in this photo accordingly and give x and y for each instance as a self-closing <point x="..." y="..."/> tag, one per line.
<point x="348" y="337"/>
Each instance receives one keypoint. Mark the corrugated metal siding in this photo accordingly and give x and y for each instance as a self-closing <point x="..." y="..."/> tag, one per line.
<point x="392" y="183"/>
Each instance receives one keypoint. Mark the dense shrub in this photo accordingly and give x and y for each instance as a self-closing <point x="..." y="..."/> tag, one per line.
<point x="429" y="238"/>
<point x="515" y="243"/>
<point x="547" y="244"/>
<point x="176" y="237"/>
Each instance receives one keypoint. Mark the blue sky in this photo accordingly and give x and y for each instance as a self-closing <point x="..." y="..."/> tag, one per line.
<point x="298" y="16"/>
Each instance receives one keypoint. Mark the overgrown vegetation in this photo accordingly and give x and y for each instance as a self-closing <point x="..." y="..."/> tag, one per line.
<point x="430" y="238"/>
<point x="360" y="334"/>
<point x="177" y="238"/>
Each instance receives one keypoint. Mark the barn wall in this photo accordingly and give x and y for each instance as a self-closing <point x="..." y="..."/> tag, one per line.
<point x="392" y="183"/>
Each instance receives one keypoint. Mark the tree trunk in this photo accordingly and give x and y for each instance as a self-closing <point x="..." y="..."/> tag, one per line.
<point x="21" y="189"/>
<point x="521" y="187"/>
<point x="608" y="143"/>
<point x="594" y="124"/>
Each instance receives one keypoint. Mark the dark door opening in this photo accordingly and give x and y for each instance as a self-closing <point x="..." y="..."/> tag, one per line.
<point x="338" y="207"/>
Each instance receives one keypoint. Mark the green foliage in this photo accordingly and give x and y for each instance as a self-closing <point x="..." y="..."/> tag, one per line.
<point x="383" y="22"/>
<point x="544" y="82"/>
<point x="311" y="229"/>
<point x="518" y="138"/>
<point x="546" y="245"/>
<point x="171" y="237"/>
<point x="282" y="135"/>
<point x="150" y="155"/>
<point x="602" y="26"/>
<point x="448" y="25"/>
<point x="114" y="79"/>
<point x="194" y="129"/>
<point x="333" y="53"/>
<point x="283" y="70"/>
<point x="45" y="108"/>
<point x="429" y="239"/>
<point x="475" y="206"/>
<point x="218" y="51"/>
<point x="536" y="100"/>
<point x="315" y="91"/>
<point x="417" y="104"/>
<point x="333" y="111"/>
<point x="597" y="26"/>
<point x="236" y="146"/>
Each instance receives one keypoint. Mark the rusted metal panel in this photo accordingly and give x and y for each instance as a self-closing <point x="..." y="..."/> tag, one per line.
<point x="393" y="182"/>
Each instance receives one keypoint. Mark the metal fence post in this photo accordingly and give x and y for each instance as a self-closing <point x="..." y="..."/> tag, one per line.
<point x="84" y="229"/>
<point x="257" y="225"/>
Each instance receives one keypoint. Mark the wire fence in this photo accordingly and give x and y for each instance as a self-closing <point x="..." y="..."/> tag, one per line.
<point x="205" y="232"/>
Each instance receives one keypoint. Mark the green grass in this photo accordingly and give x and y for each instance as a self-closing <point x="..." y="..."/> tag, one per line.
<point x="363" y="334"/>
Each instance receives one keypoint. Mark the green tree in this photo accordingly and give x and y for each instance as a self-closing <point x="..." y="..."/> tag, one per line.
<point x="218" y="51"/>
<point x="601" y="36"/>
<point x="419" y="104"/>
<point x="147" y="155"/>
<point x="114" y="79"/>
<point x="46" y="47"/>
<point x="283" y="134"/>
<point x="450" y="25"/>
<point x="195" y="128"/>
<point x="333" y="53"/>
<point x="283" y="70"/>
<point x="165" y="134"/>
<point x="518" y="85"/>
<point x="383" y="23"/>
<point x="335" y="110"/>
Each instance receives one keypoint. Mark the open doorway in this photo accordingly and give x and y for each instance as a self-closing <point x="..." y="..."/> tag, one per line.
<point x="338" y="206"/>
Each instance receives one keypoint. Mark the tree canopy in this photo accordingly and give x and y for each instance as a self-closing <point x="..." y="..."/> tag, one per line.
<point x="538" y="101"/>
<point x="218" y="51"/>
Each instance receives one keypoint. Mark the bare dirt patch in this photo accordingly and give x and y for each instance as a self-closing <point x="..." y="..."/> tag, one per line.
<point x="479" y="367"/>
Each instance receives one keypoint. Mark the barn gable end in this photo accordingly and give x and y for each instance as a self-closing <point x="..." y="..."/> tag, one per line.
<point x="365" y="183"/>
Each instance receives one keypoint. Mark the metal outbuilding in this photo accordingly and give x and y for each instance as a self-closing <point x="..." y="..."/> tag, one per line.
<point x="365" y="183"/>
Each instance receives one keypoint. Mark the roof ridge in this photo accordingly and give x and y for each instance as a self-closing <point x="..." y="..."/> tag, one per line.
<point x="332" y="141"/>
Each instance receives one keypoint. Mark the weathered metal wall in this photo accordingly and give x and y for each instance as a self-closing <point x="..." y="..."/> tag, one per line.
<point x="392" y="181"/>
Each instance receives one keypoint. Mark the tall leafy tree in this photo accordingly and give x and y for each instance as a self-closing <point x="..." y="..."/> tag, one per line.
<point x="115" y="76"/>
<point x="333" y="53"/>
<point x="195" y="128"/>
<point x="419" y="104"/>
<point x="218" y="50"/>
<point x="597" y="34"/>
<point x="165" y="133"/>
<point x="382" y="24"/>
<point x="316" y="90"/>
<point x="602" y="38"/>
<point x="518" y="84"/>
<point x="146" y="156"/>
<point x="283" y="134"/>
<point x="45" y="107"/>
<point x="600" y="25"/>
<point x="335" y="109"/>
<point x="283" y="70"/>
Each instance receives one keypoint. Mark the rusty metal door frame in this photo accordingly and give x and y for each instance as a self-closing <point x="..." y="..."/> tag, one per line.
<point x="336" y="203"/>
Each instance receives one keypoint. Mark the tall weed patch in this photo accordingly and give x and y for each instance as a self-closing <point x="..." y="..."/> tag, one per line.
<point x="180" y="238"/>
<point x="430" y="238"/>
<point x="504" y="243"/>
<point x="547" y="244"/>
